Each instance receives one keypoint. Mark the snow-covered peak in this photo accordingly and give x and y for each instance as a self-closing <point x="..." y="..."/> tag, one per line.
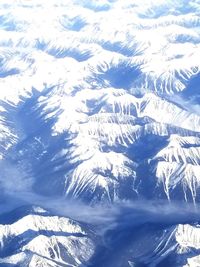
<point x="45" y="240"/>
<point x="98" y="102"/>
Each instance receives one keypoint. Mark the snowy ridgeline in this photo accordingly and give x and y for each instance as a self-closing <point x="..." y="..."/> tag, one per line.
<point x="99" y="103"/>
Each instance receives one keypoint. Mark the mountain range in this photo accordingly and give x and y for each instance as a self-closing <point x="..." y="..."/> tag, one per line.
<point x="99" y="133"/>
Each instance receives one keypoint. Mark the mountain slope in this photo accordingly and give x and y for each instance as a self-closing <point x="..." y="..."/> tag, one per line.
<point x="99" y="110"/>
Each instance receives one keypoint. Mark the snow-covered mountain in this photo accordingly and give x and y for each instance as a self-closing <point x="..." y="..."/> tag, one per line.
<point x="99" y="106"/>
<point x="41" y="239"/>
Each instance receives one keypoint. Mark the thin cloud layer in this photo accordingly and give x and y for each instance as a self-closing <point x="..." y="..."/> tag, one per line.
<point x="98" y="108"/>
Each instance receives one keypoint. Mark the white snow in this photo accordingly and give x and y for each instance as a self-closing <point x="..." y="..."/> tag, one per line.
<point x="73" y="47"/>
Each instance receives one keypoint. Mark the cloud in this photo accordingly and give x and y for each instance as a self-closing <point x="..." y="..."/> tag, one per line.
<point x="186" y="103"/>
<point x="63" y="42"/>
<point x="120" y="227"/>
<point x="143" y="232"/>
<point x="14" y="179"/>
